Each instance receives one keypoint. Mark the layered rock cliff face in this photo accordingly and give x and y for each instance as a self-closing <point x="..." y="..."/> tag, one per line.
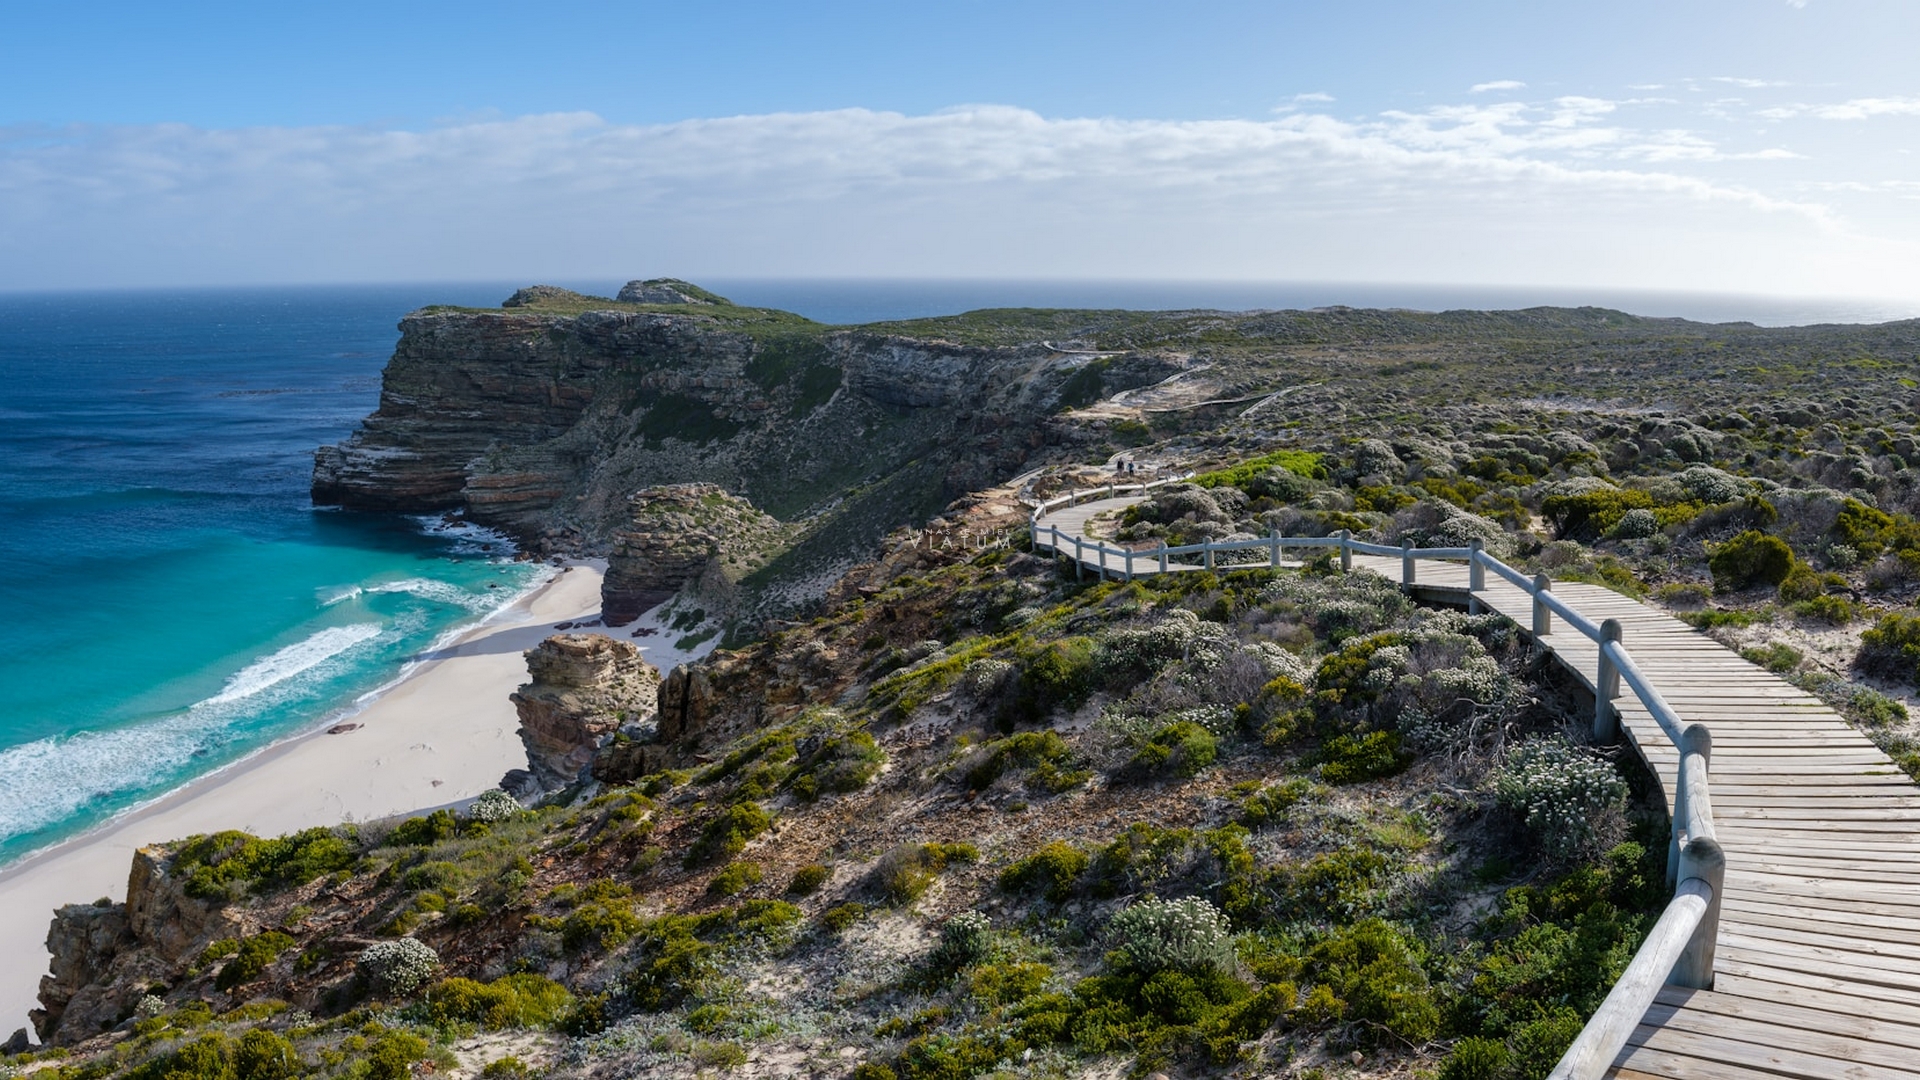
<point x="545" y="418"/>
<point x="583" y="689"/>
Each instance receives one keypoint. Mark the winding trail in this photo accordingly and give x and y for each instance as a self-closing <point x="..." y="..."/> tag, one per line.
<point x="1815" y="966"/>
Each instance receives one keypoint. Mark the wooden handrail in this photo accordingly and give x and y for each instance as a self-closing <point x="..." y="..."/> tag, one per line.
<point x="1680" y="949"/>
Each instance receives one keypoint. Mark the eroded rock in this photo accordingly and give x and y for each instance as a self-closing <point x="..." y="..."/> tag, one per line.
<point x="583" y="688"/>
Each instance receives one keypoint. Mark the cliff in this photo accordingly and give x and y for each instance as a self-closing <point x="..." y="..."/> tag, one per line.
<point x="544" y="418"/>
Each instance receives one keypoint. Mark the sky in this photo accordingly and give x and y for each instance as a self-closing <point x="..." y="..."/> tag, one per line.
<point x="1754" y="146"/>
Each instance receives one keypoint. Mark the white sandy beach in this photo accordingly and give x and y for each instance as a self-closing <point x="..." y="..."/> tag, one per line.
<point x="445" y="733"/>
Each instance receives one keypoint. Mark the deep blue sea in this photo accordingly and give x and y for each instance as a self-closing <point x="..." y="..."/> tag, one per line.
<point x="169" y="601"/>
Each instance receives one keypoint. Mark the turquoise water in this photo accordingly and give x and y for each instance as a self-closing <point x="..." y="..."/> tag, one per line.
<point x="169" y="600"/>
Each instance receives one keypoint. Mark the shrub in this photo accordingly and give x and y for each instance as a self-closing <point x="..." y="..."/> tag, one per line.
<point x="210" y="863"/>
<point x="1892" y="647"/>
<point x="1051" y="870"/>
<point x="965" y="940"/>
<point x="727" y="835"/>
<point x="1005" y="984"/>
<point x="842" y="763"/>
<point x="394" y="1054"/>
<point x="511" y="1001"/>
<point x="263" y="1055"/>
<point x="808" y="880"/>
<point x="1372" y="968"/>
<point x="1188" y="935"/>
<point x="1748" y="559"/>
<point x="1045" y="753"/>
<point x="1568" y="798"/>
<point x="1056" y="675"/>
<point x="506" y="1068"/>
<point x="1349" y="759"/>
<point x="400" y="967"/>
<point x="1875" y="709"/>
<point x="838" y="918"/>
<point x="493" y="807"/>
<point x="1586" y="516"/>
<point x="1475" y="1058"/>
<point x="1777" y="657"/>
<point x="1181" y="748"/>
<point x="1802" y="582"/>
<point x="424" y="831"/>
<point x="1636" y="524"/>
<point x="906" y="871"/>
<point x="1259" y="807"/>
<point x="252" y="958"/>
<point x="734" y="878"/>
<point x="1833" y="610"/>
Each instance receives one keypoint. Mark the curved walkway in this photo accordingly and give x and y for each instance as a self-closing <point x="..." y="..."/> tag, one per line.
<point x="1816" y="973"/>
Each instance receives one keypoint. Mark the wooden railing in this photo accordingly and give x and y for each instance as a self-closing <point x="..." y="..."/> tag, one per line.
<point x="1678" y="950"/>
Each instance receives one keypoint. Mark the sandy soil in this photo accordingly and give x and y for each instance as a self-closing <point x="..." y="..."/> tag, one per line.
<point x="442" y="735"/>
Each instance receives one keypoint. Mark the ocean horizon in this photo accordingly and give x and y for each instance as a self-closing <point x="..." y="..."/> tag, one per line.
<point x="174" y="603"/>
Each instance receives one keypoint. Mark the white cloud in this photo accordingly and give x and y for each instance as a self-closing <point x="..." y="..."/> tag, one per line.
<point x="1316" y="96"/>
<point x="1497" y="84"/>
<point x="1554" y="193"/>
<point x="1747" y="84"/>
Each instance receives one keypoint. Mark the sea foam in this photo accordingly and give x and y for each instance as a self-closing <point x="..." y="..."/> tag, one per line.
<point x="49" y="780"/>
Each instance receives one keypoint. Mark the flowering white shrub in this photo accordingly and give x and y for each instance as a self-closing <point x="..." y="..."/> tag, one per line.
<point x="493" y="806"/>
<point x="1569" y="798"/>
<point x="398" y="967"/>
<point x="1179" y="635"/>
<point x="965" y="940"/>
<point x="151" y="1005"/>
<point x="1711" y="485"/>
<point x="1636" y="524"/>
<point x="1187" y="935"/>
<point x="985" y="677"/>
<point x="1276" y="661"/>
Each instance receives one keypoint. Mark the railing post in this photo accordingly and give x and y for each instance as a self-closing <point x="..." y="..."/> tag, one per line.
<point x="1274" y="537"/>
<point x="1406" y="560"/>
<point x="1542" y="615"/>
<point x="1109" y="491"/>
<point x="1033" y="532"/>
<point x="1476" y="570"/>
<point x="1346" y="550"/>
<point x="1606" y="687"/>
<point x="1129" y="557"/>
<point x="1206" y="548"/>
<point x="1079" y="560"/>
<point x="1163" y="556"/>
<point x="1700" y="857"/>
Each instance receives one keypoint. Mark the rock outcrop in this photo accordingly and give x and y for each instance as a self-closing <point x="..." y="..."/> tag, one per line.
<point x="667" y="291"/>
<point x="584" y="688"/>
<point x="678" y="533"/>
<point x="543" y="419"/>
<point x="106" y="957"/>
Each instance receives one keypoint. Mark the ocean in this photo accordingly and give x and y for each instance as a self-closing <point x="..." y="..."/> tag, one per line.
<point x="170" y="602"/>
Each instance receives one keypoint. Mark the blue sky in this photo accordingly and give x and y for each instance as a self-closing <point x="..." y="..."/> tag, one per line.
<point x="1758" y="145"/>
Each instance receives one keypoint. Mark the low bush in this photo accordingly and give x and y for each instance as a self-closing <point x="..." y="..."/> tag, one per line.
<point x="210" y="863"/>
<point x="397" y="968"/>
<point x="1751" y="558"/>
<point x="1188" y="935"/>
<point x="1350" y="759"/>
<point x="965" y="940"/>
<point x="727" y="835"/>
<point x="1051" y="871"/>
<point x="1569" y="799"/>
<point x="808" y="879"/>
<point x="734" y="878"/>
<point x="1181" y="749"/>
<point x="252" y="958"/>
<point x="905" y="872"/>
<point x="1892" y="647"/>
<point x="511" y="1001"/>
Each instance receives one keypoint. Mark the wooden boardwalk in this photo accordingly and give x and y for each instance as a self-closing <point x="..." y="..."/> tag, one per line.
<point x="1817" y="966"/>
